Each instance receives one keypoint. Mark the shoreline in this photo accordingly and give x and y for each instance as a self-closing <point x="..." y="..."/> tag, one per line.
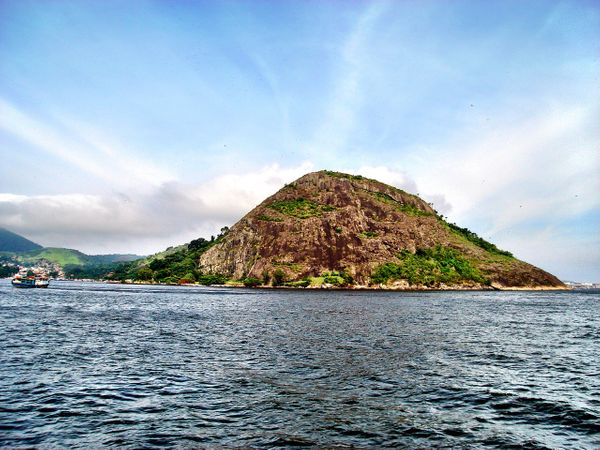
<point x="346" y="288"/>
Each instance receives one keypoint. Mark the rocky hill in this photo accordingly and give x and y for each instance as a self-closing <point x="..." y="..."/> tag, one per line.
<point x="330" y="228"/>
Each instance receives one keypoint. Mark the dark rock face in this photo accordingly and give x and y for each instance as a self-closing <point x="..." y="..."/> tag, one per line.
<point x="328" y="221"/>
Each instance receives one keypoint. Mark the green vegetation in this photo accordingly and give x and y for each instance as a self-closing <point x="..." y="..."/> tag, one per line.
<point x="60" y="256"/>
<point x="267" y="218"/>
<point x="251" y="282"/>
<point x="178" y="265"/>
<point x="266" y="278"/>
<point x="8" y="271"/>
<point x="145" y="274"/>
<point x="429" y="267"/>
<point x="402" y="207"/>
<point x="279" y="277"/>
<point x="338" y="230"/>
<point x="368" y="234"/>
<point x="300" y="207"/>
<point x="188" y="278"/>
<point x="475" y="239"/>
<point x="348" y="176"/>
<point x="335" y="278"/>
<point x="411" y="210"/>
<point x="338" y="278"/>
<point x="88" y="271"/>
<point x="212" y="279"/>
<point x="304" y="282"/>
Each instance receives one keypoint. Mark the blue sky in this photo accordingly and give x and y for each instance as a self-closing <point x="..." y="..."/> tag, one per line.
<point x="130" y="126"/>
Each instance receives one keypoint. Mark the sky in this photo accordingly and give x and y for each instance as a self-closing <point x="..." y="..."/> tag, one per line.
<point x="131" y="126"/>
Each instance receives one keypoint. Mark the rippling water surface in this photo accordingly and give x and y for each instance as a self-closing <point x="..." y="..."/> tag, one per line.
<point x="129" y="366"/>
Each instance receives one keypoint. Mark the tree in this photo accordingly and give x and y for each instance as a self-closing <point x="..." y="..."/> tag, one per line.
<point x="144" y="274"/>
<point x="162" y="274"/>
<point x="198" y="244"/>
<point x="188" y="278"/>
<point x="224" y="231"/>
<point x="278" y="277"/>
<point x="251" y="282"/>
<point x="158" y="264"/>
<point x="266" y="277"/>
<point x="8" y="271"/>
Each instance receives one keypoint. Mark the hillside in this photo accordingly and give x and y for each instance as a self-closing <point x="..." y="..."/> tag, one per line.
<point x="174" y="265"/>
<point x="12" y="242"/>
<point x="74" y="263"/>
<point x="60" y="256"/>
<point x="338" y="229"/>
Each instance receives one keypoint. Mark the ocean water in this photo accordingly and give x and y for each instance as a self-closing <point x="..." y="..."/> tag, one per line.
<point x="94" y="365"/>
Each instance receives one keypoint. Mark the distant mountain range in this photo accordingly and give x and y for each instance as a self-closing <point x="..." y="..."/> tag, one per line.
<point x="21" y="250"/>
<point x="12" y="242"/>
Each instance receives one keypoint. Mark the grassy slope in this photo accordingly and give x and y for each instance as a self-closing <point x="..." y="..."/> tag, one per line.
<point x="61" y="256"/>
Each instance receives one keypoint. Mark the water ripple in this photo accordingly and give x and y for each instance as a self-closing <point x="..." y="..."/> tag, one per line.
<point x="93" y="365"/>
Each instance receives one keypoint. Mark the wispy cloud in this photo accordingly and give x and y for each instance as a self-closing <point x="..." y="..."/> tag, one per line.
<point x="46" y="138"/>
<point x="345" y="101"/>
<point x="81" y="146"/>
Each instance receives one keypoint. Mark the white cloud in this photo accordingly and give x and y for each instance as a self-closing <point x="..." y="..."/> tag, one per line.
<point x="164" y="215"/>
<point x="143" y="221"/>
<point x="546" y="167"/>
<point x="523" y="186"/>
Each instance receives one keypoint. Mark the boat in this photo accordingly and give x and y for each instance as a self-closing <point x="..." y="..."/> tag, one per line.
<point x="42" y="282"/>
<point x="23" y="280"/>
<point x="20" y="281"/>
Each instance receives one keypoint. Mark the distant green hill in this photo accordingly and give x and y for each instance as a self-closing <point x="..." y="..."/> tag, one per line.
<point x="69" y="257"/>
<point x="12" y="242"/>
<point x="16" y="250"/>
<point x="61" y="256"/>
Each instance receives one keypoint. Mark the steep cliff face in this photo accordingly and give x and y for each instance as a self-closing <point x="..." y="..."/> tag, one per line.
<point x="377" y="234"/>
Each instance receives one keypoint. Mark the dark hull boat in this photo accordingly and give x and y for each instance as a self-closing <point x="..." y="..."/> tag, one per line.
<point x="23" y="283"/>
<point x="28" y="282"/>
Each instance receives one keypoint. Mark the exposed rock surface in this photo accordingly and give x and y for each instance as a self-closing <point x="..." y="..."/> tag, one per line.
<point x="328" y="221"/>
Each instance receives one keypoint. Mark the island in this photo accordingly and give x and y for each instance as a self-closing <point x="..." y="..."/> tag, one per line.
<point x="335" y="230"/>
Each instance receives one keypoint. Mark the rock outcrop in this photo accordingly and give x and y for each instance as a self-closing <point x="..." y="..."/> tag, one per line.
<point x="378" y="235"/>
